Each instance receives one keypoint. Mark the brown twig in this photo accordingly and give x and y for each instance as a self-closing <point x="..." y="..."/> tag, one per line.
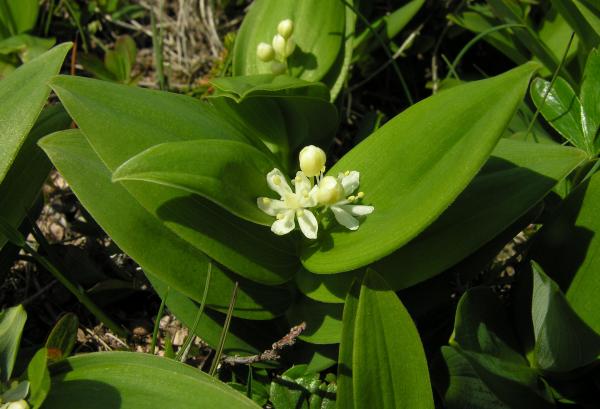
<point x="270" y="354"/>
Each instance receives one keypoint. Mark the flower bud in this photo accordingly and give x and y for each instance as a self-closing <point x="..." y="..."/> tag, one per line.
<point x="285" y="28"/>
<point x="312" y="160"/>
<point x="330" y="191"/>
<point x="278" y="68"/>
<point x="265" y="52"/>
<point x="290" y="46"/>
<point x="20" y="404"/>
<point x="279" y="44"/>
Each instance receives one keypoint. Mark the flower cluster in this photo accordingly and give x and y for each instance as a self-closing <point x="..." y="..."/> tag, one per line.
<point x="313" y="191"/>
<point x="280" y="49"/>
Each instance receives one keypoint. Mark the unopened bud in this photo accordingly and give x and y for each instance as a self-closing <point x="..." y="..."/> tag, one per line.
<point x="285" y="28"/>
<point x="265" y="52"/>
<point x="278" y="68"/>
<point x="330" y="191"/>
<point x="312" y="160"/>
<point x="20" y="404"/>
<point x="290" y="46"/>
<point x="279" y="44"/>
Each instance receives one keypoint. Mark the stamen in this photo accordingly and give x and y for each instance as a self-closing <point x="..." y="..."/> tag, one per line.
<point x="346" y="173"/>
<point x="360" y="195"/>
<point x="266" y="200"/>
<point x="351" y="198"/>
<point x="280" y="216"/>
<point x="276" y="180"/>
<point x="299" y="212"/>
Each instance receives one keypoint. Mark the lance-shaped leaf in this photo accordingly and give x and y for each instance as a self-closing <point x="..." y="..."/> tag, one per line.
<point x="561" y="109"/>
<point x="231" y="174"/>
<point x="319" y="33"/>
<point x="323" y="321"/>
<point x="144" y="118"/>
<point x="516" y="177"/>
<point x="567" y="248"/>
<point x="22" y="96"/>
<point x="21" y="185"/>
<point x="388" y="365"/>
<point x="563" y="342"/>
<point x="413" y="167"/>
<point x="590" y="98"/>
<point x="12" y="322"/>
<point x="134" y="380"/>
<point x="135" y="231"/>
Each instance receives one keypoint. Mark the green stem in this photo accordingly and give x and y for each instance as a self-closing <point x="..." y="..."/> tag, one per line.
<point x="219" y="350"/>
<point x="159" y="315"/>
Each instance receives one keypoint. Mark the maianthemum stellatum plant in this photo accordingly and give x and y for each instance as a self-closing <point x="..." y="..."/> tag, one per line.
<point x="235" y="194"/>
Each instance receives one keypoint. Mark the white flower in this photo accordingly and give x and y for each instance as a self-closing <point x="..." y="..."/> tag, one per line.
<point x="285" y="28"/>
<point x="312" y="160"/>
<point x="343" y="210"/>
<point x="265" y="52"/>
<point x="293" y="205"/>
<point x="21" y="404"/>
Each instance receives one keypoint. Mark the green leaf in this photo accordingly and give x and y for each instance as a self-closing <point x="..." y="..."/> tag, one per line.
<point x="296" y="389"/>
<point x="22" y="96"/>
<point x="441" y="143"/>
<point x="39" y="378"/>
<point x="345" y="396"/>
<point x="131" y="226"/>
<point x="28" y="47"/>
<point x="323" y="321"/>
<point x="590" y="99"/>
<point x="561" y="109"/>
<point x="12" y="321"/>
<point x="22" y="184"/>
<point x="516" y="177"/>
<point x="567" y="249"/>
<point x="231" y="174"/>
<point x="481" y="381"/>
<point x="319" y="28"/>
<point x="240" y="88"/>
<point x="326" y="288"/>
<point x="18" y="15"/>
<point x="61" y="339"/>
<point x="143" y="382"/>
<point x="563" y="342"/>
<point x="586" y="33"/>
<point x="389" y="368"/>
<point x="18" y="392"/>
<point x="144" y="118"/>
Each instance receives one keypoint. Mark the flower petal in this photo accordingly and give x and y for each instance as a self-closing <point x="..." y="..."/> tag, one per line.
<point x="270" y="206"/>
<point x="344" y="217"/>
<point x="284" y="225"/>
<point x="350" y="182"/>
<point x="358" y="210"/>
<point x="308" y="223"/>
<point x="278" y="182"/>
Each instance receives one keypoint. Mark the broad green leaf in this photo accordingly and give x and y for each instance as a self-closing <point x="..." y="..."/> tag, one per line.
<point x="567" y="249"/>
<point x="555" y="33"/>
<point x="28" y="47"/>
<point x="481" y="381"/>
<point x="231" y="174"/>
<point x="12" y="321"/>
<point x="561" y="109"/>
<point x="323" y="321"/>
<point x="326" y="288"/>
<point x="16" y="392"/>
<point x="240" y="88"/>
<point x="133" y="229"/>
<point x="293" y="122"/>
<point x="589" y="36"/>
<point x="590" y="99"/>
<point x="39" y="378"/>
<point x="563" y="342"/>
<point x="18" y="15"/>
<point x="414" y="166"/>
<point x="389" y="368"/>
<point x="319" y="28"/>
<point x="22" y="184"/>
<point x="345" y="396"/>
<point x="144" y="118"/>
<point x="22" y="96"/>
<point x="485" y="358"/>
<point x="134" y="380"/>
<point x="244" y="336"/>
<point x="516" y="177"/>
<point x="61" y="339"/>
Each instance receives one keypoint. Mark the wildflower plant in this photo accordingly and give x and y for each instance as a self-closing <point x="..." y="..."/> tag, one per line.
<point x="280" y="49"/>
